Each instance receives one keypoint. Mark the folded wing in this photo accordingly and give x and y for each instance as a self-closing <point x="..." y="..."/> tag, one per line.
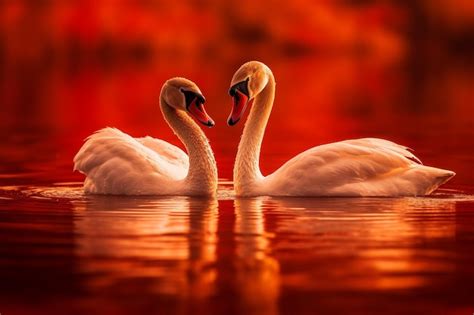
<point x="116" y="163"/>
<point x="361" y="167"/>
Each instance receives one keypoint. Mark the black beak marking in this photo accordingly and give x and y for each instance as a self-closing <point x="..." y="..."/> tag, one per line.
<point x="189" y="97"/>
<point x="241" y="86"/>
<point x="230" y="122"/>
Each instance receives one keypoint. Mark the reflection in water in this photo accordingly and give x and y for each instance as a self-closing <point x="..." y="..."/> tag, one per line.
<point x="365" y="244"/>
<point x="257" y="278"/>
<point x="168" y="247"/>
<point x="168" y="244"/>
<point x="121" y="255"/>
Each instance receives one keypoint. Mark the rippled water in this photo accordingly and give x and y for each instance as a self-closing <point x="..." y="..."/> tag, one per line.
<point x="65" y="252"/>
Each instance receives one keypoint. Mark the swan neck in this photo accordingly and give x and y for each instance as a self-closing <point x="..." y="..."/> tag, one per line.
<point x="247" y="169"/>
<point x="202" y="173"/>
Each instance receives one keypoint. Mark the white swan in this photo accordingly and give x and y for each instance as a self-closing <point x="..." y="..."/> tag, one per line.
<point x="116" y="163"/>
<point x="362" y="167"/>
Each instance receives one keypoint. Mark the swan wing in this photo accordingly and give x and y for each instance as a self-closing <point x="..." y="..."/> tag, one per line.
<point x="360" y="167"/>
<point x="116" y="163"/>
<point x="171" y="153"/>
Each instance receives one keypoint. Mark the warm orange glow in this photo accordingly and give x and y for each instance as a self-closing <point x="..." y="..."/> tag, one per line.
<point x="344" y="70"/>
<point x="401" y="70"/>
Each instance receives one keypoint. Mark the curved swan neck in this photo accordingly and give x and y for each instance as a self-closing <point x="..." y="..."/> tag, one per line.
<point x="202" y="173"/>
<point x="246" y="168"/>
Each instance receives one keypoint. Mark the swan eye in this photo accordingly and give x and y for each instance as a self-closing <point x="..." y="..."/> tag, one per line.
<point x="242" y="87"/>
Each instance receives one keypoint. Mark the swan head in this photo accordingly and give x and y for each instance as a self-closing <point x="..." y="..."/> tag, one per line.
<point x="248" y="81"/>
<point x="183" y="94"/>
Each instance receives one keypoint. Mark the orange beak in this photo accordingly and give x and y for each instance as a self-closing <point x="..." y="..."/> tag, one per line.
<point x="239" y="104"/>
<point x="196" y="109"/>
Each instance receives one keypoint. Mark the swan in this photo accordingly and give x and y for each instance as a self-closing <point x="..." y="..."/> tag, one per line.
<point x="360" y="167"/>
<point x="116" y="163"/>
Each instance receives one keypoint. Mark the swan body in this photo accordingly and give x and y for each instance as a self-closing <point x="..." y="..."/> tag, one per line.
<point x="116" y="163"/>
<point x="360" y="167"/>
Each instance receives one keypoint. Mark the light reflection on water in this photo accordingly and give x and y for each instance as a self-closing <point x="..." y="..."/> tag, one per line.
<point x="250" y="254"/>
<point x="170" y="242"/>
<point x="381" y="237"/>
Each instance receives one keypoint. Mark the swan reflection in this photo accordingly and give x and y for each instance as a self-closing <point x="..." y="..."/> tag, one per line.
<point x="168" y="245"/>
<point x="257" y="272"/>
<point x="168" y="248"/>
<point x="363" y="243"/>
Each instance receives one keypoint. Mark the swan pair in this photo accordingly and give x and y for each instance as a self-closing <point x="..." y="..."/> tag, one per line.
<point x="116" y="163"/>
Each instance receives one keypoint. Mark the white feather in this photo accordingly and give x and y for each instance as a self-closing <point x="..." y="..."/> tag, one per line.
<point x="117" y="163"/>
<point x="362" y="167"/>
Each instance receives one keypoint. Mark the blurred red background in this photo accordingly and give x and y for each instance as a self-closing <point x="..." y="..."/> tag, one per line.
<point x="344" y="69"/>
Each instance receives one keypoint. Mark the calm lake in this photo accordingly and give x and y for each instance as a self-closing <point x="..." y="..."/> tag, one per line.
<point x="63" y="252"/>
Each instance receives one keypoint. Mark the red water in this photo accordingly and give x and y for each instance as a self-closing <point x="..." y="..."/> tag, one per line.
<point x="62" y="252"/>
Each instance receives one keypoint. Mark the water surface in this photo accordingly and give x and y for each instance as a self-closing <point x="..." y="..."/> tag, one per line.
<point x="63" y="251"/>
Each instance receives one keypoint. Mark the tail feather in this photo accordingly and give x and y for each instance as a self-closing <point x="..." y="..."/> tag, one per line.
<point x="441" y="177"/>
